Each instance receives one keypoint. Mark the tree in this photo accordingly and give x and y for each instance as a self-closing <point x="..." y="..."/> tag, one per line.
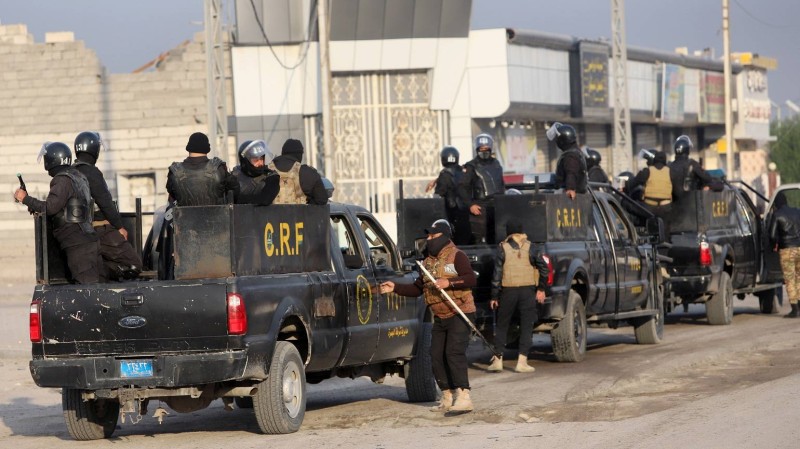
<point x="785" y="152"/>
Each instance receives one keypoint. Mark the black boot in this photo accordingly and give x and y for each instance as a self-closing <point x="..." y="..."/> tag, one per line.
<point x="795" y="313"/>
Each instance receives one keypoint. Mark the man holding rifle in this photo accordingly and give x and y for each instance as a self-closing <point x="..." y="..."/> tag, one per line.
<point x="454" y="277"/>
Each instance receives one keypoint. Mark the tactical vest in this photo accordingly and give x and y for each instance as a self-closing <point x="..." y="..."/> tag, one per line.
<point x="97" y="214"/>
<point x="291" y="192"/>
<point x="491" y="179"/>
<point x="517" y="269"/>
<point x="199" y="187"/>
<point x="443" y="266"/>
<point x="79" y="205"/>
<point x="561" y="175"/>
<point x="452" y="199"/>
<point x="248" y="185"/>
<point x="659" y="184"/>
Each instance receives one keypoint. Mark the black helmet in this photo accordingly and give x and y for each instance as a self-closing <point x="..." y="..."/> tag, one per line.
<point x="449" y="156"/>
<point x="88" y="142"/>
<point x="55" y="154"/>
<point x="564" y="136"/>
<point x="484" y="140"/>
<point x="683" y="145"/>
<point x="593" y="158"/>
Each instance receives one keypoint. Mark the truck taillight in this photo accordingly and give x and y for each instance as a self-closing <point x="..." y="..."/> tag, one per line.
<point x="237" y="317"/>
<point x="705" y="254"/>
<point x="550" y="274"/>
<point x="35" y="323"/>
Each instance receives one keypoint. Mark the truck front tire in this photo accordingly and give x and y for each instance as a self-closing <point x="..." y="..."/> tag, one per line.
<point x="420" y="384"/>
<point x="569" y="337"/>
<point x="88" y="420"/>
<point x="650" y="330"/>
<point x="280" y="401"/>
<point x="719" y="309"/>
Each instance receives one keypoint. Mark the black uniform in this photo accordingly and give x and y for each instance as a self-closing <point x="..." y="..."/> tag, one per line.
<point x="256" y="187"/>
<point x="571" y="171"/>
<point x="78" y="240"/>
<point x="200" y="181"/>
<point x="457" y="212"/>
<point x="120" y="259"/>
<point x="688" y="175"/>
<point x="597" y="174"/>
<point x="310" y="179"/>
<point x="482" y="180"/>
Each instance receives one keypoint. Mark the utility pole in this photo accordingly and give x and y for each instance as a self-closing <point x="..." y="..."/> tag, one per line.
<point x="325" y="84"/>
<point x="726" y="50"/>
<point x="622" y="153"/>
<point x="215" y="79"/>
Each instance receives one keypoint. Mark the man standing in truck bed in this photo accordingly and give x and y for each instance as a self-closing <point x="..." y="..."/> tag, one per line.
<point x="300" y="183"/>
<point x="198" y="180"/>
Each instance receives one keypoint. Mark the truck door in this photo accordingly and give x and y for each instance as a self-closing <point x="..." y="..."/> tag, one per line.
<point x="746" y="256"/>
<point x="602" y="268"/>
<point x="398" y="317"/>
<point x="632" y="276"/>
<point x="358" y="285"/>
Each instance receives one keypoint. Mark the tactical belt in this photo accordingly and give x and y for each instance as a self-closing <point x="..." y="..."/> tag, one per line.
<point x="654" y="202"/>
<point x="100" y="223"/>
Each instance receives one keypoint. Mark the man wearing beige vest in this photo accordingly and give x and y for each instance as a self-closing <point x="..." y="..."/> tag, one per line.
<point x="300" y="184"/>
<point x="655" y="178"/>
<point x="519" y="282"/>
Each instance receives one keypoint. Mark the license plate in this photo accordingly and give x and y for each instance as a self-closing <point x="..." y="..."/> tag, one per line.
<point x="136" y="368"/>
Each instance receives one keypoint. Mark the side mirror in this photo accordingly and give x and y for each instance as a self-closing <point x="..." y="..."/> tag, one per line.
<point x="655" y="228"/>
<point x="328" y="186"/>
<point x="353" y="261"/>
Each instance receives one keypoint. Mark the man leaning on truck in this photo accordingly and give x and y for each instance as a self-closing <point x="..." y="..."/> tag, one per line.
<point x="784" y="232"/>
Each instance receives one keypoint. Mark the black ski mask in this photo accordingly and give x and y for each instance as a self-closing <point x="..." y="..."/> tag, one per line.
<point x="435" y="245"/>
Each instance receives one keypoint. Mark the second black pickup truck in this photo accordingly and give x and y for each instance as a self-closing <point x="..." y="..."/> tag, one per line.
<point x="264" y="300"/>
<point x="603" y="269"/>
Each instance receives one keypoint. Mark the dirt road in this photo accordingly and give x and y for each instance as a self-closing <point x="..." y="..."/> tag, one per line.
<point x="705" y="386"/>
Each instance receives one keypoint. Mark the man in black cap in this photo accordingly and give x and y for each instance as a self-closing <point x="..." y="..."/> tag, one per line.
<point x="198" y="180"/>
<point x="300" y="184"/>
<point x="450" y="335"/>
<point x="519" y="282"/>
<point x="119" y="257"/>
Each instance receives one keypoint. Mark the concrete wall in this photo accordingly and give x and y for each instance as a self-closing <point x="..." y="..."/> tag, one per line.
<point x="51" y="91"/>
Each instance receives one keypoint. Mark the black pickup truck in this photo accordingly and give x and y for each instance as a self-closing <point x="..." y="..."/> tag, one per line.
<point x="604" y="269"/>
<point x="719" y="249"/>
<point x="264" y="300"/>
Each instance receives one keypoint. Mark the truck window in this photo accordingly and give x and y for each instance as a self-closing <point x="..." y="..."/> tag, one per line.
<point x="345" y="239"/>
<point x="380" y="247"/>
<point x="618" y="223"/>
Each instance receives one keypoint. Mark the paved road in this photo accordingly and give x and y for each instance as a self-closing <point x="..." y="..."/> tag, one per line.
<point x="705" y="386"/>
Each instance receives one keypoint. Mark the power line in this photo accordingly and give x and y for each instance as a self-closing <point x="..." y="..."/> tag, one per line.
<point x="311" y="21"/>
<point x="761" y="21"/>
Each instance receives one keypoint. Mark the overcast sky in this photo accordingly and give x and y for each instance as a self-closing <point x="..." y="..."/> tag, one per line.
<point x="127" y="34"/>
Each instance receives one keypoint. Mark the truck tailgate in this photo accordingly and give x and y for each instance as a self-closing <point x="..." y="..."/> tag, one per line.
<point x="133" y="318"/>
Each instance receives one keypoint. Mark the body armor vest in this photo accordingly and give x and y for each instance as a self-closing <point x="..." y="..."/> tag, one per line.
<point x="561" y="174"/>
<point x="491" y="179"/>
<point x="79" y="206"/>
<point x="248" y="185"/>
<point x="452" y="199"/>
<point x="291" y="192"/>
<point x="443" y="266"/>
<point x="199" y="187"/>
<point x="659" y="184"/>
<point x="517" y="269"/>
<point x="97" y="214"/>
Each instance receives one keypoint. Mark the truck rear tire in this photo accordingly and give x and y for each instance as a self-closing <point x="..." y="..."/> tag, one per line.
<point x="719" y="309"/>
<point x="88" y="420"/>
<point x="280" y="401"/>
<point x="420" y="384"/>
<point x="768" y="301"/>
<point x="569" y="336"/>
<point x="650" y="330"/>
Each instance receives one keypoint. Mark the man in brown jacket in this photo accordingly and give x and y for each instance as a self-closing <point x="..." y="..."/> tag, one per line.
<point x="450" y="336"/>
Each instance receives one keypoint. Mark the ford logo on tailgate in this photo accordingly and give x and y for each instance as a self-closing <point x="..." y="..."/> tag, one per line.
<point x="132" y="322"/>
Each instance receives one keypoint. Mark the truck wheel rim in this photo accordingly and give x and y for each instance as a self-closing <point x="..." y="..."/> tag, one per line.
<point x="578" y="329"/>
<point x="292" y="390"/>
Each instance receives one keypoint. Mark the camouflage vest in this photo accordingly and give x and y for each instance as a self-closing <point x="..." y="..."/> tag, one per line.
<point x="443" y="266"/>
<point x="659" y="184"/>
<point x="291" y="192"/>
<point x="517" y="269"/>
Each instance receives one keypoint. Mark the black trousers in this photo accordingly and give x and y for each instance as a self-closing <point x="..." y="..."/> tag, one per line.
<point x="82" y="261"/>
<point x="449" y="341"/>
<point x="483" y="225"/>
<point x="117" y="253"/>
<point x="512" y="299"/>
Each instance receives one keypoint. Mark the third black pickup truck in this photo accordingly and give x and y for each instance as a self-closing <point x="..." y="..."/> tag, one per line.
<point x="263" y="300"/>
<point x="603" y="269"/>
